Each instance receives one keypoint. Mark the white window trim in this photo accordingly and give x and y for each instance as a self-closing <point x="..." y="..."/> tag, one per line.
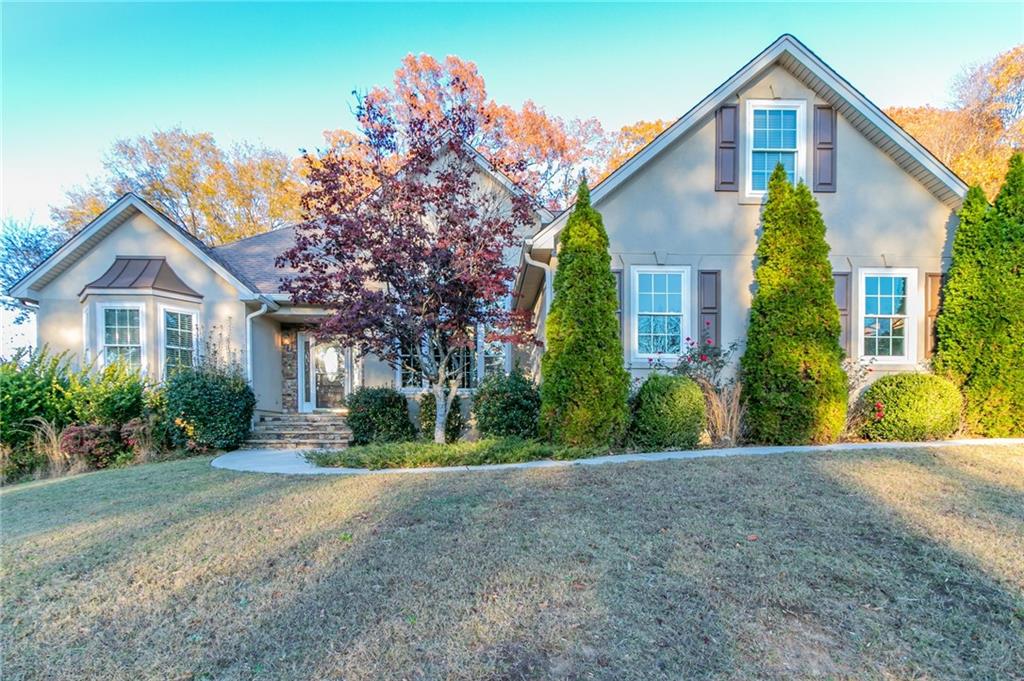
<point x="634" y="313"/>
<point x="914" y="315"/>
<point x="101" y="335"/>
<point x="162" y="333"/>
<point x="800" y="167"/>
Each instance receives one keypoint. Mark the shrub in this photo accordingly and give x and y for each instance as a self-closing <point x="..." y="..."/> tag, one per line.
<point x="507" y="406"/>
<point x="585" y="388"/>
<point x="911" y="407"/>
<point x="98" y="445"/>
<point x="208" y="408"/>
<point x="980" y="328"/>
<point x="32" y="387"/>
<point x="794" y="388"/>
<point x="111" y="396"/>
<point x="668" y="413"/>
<point x="378" y="415"/>
<point x="454" y="423"/>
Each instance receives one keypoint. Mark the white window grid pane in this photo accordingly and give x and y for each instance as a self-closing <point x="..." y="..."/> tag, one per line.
<point x="122" y="336"/>
<point x="885" y="318"/>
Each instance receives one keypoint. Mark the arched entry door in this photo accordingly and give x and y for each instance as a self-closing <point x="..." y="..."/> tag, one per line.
<point x="325" y="374"/>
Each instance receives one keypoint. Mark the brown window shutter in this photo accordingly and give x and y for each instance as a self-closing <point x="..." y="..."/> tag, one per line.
<point x="841" y="282"/>
<point x="727" y="149"/>
<point x="709" y="299"/>
<point x="824" y="149"/>
<point x="933" y="301"/>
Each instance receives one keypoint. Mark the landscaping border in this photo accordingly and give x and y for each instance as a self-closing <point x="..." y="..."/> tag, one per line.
<point x="291" y="461"/>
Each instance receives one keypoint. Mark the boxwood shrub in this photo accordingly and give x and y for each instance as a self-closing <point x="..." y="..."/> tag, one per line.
<point x="208" y="408"/>
<point x="911" y="407"/>
<point x="378" y="415"/>
<point x="507" y="406"/>
<point x="454" y="424"/>
<point x="668" y="413"/>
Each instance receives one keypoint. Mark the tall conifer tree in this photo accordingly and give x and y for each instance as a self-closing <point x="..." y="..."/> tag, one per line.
<point x="584" y="385"/>
<point x="794" y="386"/>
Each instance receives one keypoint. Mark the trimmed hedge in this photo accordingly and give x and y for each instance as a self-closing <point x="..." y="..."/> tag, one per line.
<point x="794" y="387"/>
<point x="507" y="406"/>
<point x="208" y="408"/>
<point x="911" y="407"/>
<point x="980" y="328"/>
<point x="454" y="424"/>
<point x="668" y="413"/>
<point x="378" y="415"/>
<point x="585" y="388"/>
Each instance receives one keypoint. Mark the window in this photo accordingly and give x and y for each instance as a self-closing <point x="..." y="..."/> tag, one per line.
<point x="122" y="335"/>
<point x="483" y="359"/>
<point x="888" y="315"/>
<point x="775" y="134"/>
<point x="495" y="353"/>
<point x="178" y="338"/>
<point x="660" y="313"/>
<point x="411" y="374"/>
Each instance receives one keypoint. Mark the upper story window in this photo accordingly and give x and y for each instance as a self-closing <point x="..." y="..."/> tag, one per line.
<point x="888" y="314"/>
<point x="179" y="338"/>
<point x="775" y="134"/>
<point x="122" y="335"/>
<point x="660" y="314"/>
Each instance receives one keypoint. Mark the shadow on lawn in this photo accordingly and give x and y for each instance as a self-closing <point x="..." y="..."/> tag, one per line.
<point x="730" y="568"/>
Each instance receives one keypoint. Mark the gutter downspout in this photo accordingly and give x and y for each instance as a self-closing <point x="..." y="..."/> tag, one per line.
<point x="264" y="308"/>
<point x="549" y="290"/>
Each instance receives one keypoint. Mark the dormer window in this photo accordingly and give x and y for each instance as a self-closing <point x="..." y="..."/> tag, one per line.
<point x="775" y="134"/>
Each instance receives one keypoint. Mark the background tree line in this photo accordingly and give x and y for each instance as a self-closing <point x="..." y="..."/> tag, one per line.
<point x="223" y="194"/>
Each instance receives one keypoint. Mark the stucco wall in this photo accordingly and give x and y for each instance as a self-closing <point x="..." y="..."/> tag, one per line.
<point x="63" y="326"/>
<point x="668" y="213"/>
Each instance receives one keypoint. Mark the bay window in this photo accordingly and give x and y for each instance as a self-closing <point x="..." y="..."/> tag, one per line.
<point x="178" y="333"/>
<point x="121" y="331"/>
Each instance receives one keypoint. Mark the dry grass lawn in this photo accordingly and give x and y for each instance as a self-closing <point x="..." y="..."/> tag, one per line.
<point x="896" y="565"/>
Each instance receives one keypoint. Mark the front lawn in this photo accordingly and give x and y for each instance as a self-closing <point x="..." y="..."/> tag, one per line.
<point x="903" y="564"/>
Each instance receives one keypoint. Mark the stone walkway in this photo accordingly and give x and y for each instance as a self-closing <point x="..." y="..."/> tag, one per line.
<point x="290" y="462"/>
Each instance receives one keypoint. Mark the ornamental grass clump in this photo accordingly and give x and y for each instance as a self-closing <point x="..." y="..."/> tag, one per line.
<point x="794" y="388"/>
<point x="911" y="408"/>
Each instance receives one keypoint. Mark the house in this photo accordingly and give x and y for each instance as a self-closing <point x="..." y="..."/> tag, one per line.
<point x="683" y="215"/>
<point x="136" y="286"/>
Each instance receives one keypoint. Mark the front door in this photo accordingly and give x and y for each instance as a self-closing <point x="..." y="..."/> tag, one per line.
<point x="325" y="374"/>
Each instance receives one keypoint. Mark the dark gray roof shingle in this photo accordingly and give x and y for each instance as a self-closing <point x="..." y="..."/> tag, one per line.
<point x="255" y="256"/>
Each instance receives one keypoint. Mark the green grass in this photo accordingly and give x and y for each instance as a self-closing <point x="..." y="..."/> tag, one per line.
<point x="419" y="454"/>
<point x="882" y="565"/>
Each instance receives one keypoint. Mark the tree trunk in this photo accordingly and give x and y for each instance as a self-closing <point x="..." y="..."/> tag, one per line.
<point x="440" y="414"/>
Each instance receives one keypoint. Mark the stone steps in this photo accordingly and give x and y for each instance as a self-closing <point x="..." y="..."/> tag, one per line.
<point x="319" y="430"/>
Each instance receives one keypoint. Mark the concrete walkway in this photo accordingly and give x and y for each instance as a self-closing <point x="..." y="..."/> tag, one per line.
<point x="290" y="461"/>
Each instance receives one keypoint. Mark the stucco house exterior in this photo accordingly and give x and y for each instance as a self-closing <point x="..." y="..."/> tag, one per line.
<point x="682" y="217"/>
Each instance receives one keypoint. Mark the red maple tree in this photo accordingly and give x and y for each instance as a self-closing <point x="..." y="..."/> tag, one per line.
<point x="412" y="268"/>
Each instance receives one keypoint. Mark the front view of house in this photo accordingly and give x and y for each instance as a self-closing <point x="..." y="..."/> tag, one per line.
<point x="682" y="217"/>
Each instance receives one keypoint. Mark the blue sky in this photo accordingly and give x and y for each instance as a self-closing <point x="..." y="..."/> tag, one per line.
<point x="77" y="76"/>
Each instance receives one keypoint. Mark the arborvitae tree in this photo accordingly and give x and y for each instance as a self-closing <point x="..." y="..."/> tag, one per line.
<point x="584" y="385"/>
<point x="980" y="328"/>
<point x="794" y="386"/>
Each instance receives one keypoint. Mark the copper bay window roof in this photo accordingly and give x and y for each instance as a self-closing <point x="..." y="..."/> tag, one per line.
<point x="139" y="272"/>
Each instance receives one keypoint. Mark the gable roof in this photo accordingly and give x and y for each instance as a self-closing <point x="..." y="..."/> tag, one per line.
<point x="137" y="272"/>
<point x="863" y="114"/>
<point x="256" y="255"/>
<point x="119" y="212"/>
